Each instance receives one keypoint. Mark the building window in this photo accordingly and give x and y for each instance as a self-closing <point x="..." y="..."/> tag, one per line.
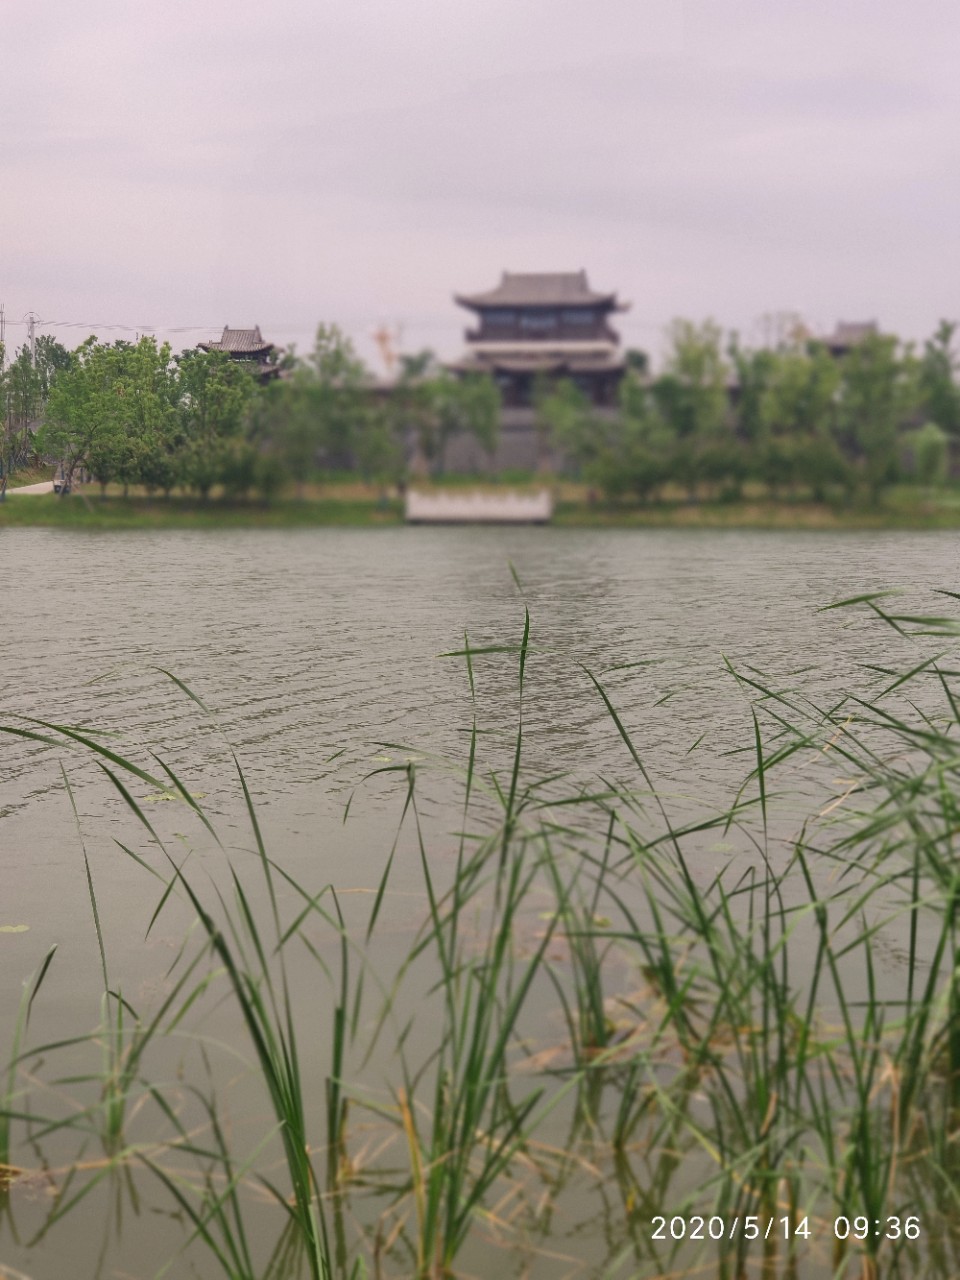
<point x="578" y="317"/>
<point x="504" y="316"/>
<point x="538" y="321"/>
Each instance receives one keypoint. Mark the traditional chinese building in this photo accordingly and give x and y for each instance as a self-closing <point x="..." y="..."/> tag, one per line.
<point x="544" y="326"/>
<point x="846" y="336"/>
<point x="247" y="347"/>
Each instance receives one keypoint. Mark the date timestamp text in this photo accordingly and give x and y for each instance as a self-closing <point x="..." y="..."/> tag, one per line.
<point x="754" y="1227"/>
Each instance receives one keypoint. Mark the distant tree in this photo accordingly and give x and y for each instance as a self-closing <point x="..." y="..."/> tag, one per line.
<point x="723" y="465"/>
<point x="879" y="389"/>
<point x="214" y="396"/>
<point x="26" y="383"/>
<point x="819" y="463"/>
<point x="271" y="476"/>
<point x="939" y="393"/>
<point x="692" y="391"/>
<point x="412" y="411"/>
<point x="480" y="406"/>
<point x="21" y="401"/>
<point x="241" y="469"/>
<point x="637" y="454"/>
<point x="754" y="371"/>
<point x="420" y="364"/>
<point x="929" y="449"/>
<point x="797" y="410"/>
<point x="563" y="422"/>
<point x="338" y="396"/>
<point x="289" y="422"/>
<point x="52" y="356"/>
<point x="145" y="391"/>
<point x="467" y="406"/>
<point x="378" y="447"/>
<point x="637" y="361"/>
<point x="81" y="422"/>
<point x="775" y="463"/>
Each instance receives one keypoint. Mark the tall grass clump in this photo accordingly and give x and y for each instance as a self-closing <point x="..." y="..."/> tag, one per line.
<point x="588" y="1009"/>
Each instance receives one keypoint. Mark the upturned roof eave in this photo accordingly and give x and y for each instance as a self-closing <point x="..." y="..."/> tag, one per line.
<point x="480" y="302"/>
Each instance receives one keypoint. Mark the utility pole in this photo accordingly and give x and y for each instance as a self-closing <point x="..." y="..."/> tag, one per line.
<point x="31" y="318"/>
<point x="3" y="337"/>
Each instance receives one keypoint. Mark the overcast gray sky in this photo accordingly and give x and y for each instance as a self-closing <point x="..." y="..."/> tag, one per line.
<point x="181" y="165"/>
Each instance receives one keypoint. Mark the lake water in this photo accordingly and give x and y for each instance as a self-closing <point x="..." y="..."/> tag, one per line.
<point x="311" y="650"/>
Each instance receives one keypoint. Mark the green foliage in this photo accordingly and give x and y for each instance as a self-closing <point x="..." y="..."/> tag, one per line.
<point x="214" y="396"/>
<point x="878" y="390"/>
<point x="431" y="406"/>
<point x="637" y="361"/>
<point x="564" y="422"/>
<point x="692" y="392"/>
<point x="323" y="416"/>
<point x="800" y="394"/>
<point x="24" y="391"/>
<point x="129" y="413"/>
<point x="929" y="446"/>
<point x="939" y="393"/>
<point x="710" y="1035"/>
<point x="336" y="396"/>
<point x="634" y="455"/>
<point x="80" y="423"/>
<point x="754" y="371"/>
<point x="794" y="418"/>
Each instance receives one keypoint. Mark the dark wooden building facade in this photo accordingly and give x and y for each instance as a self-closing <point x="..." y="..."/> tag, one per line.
<point x="544" y="326"/>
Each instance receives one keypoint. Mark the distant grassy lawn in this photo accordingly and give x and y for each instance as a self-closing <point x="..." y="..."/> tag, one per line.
<point x="900" y="508"/>
<point x="87" y="510"/>
<point x="30" y="475"/>
<point x="352" y="503"/>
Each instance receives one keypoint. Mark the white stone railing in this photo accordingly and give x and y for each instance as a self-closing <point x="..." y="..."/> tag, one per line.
<point x="479" y="508"/>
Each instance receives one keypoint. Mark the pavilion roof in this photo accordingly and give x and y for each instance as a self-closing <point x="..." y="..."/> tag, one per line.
<point x="541" y="289"/>
<point x="239" y="342"/>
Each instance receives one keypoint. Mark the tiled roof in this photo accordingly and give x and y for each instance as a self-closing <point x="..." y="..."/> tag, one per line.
<point x="239" y="341"/>
<point x="540" y="289"/>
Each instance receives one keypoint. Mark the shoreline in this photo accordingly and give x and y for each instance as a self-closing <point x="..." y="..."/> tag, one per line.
<point x="339" y="510"/>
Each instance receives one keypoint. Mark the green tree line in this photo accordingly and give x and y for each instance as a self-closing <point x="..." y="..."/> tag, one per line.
<point x="796" y="418"/>
<point x="136" y="415"/>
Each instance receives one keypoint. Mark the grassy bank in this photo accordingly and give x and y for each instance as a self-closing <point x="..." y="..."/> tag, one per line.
<point x="90" y="511"/>
<point x="352" y="504"/>
<point x="589" y="1011"/>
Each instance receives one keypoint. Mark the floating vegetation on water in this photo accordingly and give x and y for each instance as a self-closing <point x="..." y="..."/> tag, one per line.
<point x="599" y="1054"/>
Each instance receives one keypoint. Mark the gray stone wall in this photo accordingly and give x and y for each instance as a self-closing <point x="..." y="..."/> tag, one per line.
<point x="518" y="448"/>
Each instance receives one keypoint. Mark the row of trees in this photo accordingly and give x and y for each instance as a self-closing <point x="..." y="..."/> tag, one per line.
<point x="793" y="417"/>
<point x="133" y="414"/>
<point x="328" y="414"/>
<point x="24" y="387"/>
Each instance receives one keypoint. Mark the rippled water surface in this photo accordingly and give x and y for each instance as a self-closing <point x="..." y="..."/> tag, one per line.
<point x="311" y="650"/>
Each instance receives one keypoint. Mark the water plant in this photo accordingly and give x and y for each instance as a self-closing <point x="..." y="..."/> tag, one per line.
<point x="588" y="1002"/>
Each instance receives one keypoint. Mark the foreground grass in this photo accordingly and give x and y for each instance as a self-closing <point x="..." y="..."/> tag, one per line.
<point x="585" y="1003"/>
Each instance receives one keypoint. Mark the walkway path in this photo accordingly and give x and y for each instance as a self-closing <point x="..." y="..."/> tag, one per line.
<point x="45" y="486"/>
